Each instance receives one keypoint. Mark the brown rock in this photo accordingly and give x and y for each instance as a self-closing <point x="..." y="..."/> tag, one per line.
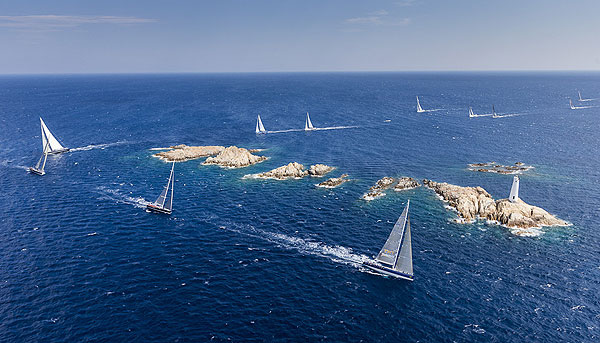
<point x="234" y="157"/>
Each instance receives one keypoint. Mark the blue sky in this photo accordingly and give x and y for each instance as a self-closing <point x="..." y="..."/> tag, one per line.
<point x="84" y="36"/>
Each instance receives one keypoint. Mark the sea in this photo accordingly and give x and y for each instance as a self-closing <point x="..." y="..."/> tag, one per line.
<point x="250" y="260"/>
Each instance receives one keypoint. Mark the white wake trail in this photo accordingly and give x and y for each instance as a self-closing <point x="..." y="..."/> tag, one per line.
<point x="118" y="197"/>
<point x="98" y="146"/>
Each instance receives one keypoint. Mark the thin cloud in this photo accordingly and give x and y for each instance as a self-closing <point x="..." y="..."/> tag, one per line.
<point x="405" y="3"/>
<point x="58" y="22"/>
<point x="380" y="17"/>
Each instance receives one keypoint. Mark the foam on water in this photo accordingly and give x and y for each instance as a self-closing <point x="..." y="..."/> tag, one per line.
<point x="99" y="146"/>
<point x="117" y="196"/>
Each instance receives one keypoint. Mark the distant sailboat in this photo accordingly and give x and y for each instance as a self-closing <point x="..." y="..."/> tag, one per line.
<point x="419" y="108"/>
<point x="49" y="143"/>
<point x="514" y="190"/>
<point x="164" y="202"/>
<point x="39" y="167"/>
<point x="577" y="107"/>
<point x="259" y="126"/>
<point x="308" y="124"/>
<point x="581" y="99"/>
<point x="494" y="114"/>
<point x="395" y="258"/>
<point x="471" y="114"/>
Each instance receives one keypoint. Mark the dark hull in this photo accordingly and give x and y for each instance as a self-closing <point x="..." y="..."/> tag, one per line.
<point x="156" y="209"/>
<point x="386" y="270"/>
<point x="36" y="172"/>
<point x="56" y="152"/>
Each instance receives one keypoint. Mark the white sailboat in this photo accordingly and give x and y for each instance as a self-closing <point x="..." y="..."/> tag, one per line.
<point x="395" y="258"/>
<point x="164" y="202"/>
<point x="308" y="124"/>
<point x="581" y="99"/>
<point x="48" y="139"/>
<point x="471" y="114"/>
<point x="39" y="167"/>
<point x="419" y="108"/>
<point x="259" y="126"/>
<point x="494" y="114"/>
<point x="577" y="107"/>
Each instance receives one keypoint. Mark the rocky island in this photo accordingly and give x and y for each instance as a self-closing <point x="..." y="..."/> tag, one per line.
<point x="473" y="203"/>
<point x="182" y="152"/>
<point x="293" y="170"/>
<point x="333" y="182"/>
<point x="234" y="157"/>
<point x="493" y="167"/>
<point x="377" y="190"/>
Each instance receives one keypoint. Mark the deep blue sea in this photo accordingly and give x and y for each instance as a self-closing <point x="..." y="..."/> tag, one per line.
<point x="265" y="260"/>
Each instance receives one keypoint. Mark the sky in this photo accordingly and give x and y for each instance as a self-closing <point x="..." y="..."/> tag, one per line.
<point x="151" y="36"/>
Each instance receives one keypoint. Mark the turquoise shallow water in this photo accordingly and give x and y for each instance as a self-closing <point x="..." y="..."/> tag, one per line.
<point x="254" y="260"/>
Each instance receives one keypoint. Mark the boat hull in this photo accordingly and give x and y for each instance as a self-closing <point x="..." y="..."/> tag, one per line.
<point x="158" y="209"/>
<point x="36" y="171"/>
<point x="386" y="270"/>
<point x="56" y="152"/>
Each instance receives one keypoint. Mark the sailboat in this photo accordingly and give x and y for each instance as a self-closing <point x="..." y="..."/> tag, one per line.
<point x="419" y="108"/>
<point x="259" y="126"/>
<point x="308" y="124"/>
<point x="164" y="202"/>
<point x="581" y="99"/>
<point x="494" y="114"/>
<point x="471" y="114"/>
<point x="395" y="258"/>
<point x="48" y="139"/>
<point x="577" y="107"/>
<point x="39" y="170"/>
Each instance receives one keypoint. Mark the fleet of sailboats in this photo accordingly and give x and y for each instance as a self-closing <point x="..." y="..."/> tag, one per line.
<point x="395" y="258"/>
<point x="164" y="202"/>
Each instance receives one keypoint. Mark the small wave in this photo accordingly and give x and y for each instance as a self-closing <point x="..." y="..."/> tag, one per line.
<point x="117" y="196"/>
<point x="531" y="232"/>
<point x="98" y="146"/>
<point x="159" y="149"/>
<point x="9" y="164"/>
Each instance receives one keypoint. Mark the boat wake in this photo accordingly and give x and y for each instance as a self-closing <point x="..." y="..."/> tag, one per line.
<point x="9" y="164"/>
<point x="118" y="197"/>
<point x="335" y="253"/>
<point x="98" y="146"/>
<point x="508" y="115"/>
<point x="315" y="129"/>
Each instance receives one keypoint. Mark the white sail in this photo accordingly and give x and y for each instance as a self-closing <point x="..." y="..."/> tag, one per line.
<point x="579" y="93"/>
<point x="494" y="114"/>
<point x="397" y="250"/>
<point x="419" y="108"/>
<point x="49" y="140"/>
<point x="259" y="125"/>
<point x="165" y="200"/>
<point x="514" y="190"/>
<point x="471" y="114"/>
<point x="308" y="124"/>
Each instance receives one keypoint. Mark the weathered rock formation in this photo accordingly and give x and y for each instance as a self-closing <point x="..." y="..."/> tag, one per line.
<point x="319" y="170"/>
<point x="406" y="183"/>
<point x="234" y="157"/>
<point x="378" y="189"/>
<point x="493" y="167"/>
<point x="334" y="181"/>
<point x="182" y="152"/>
<point x="293" y="170"/>
<point x="474" y="202"/>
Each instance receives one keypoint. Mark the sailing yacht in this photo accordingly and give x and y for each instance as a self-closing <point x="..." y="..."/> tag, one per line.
<point x="395" y="258"/>
<point x="581" y="99"/>
<point x="39" y="167"/>
<point x="49" y="143"/>
<point x="308" y="124"/>
<point x="578" y="107"/>
<point x="471" y="114"/>
<point x="419" y="108"/>
<point x="259" y="126"/>
<point x="164" y="202"/>
<point x="494" y="114"/>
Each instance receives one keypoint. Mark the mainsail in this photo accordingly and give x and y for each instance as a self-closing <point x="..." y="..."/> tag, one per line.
<point x="397" y="250"/>
<point x="308" y="124"/>
<point x="419" y="108"/>
<point x="164" y="200"/>
<point x="259" y="126"/>
<point x="48" y="139"/>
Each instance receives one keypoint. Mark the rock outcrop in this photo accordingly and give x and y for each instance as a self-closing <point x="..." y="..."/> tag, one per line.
<point x="474" y="202"/>
<point x="378" y="189"/>
<point x="493" y="167"/>
<point x="293" y="170"/>
<point x="319" y="170"/>
<point x="334" y="181"/>
<point x="406" y="183"/>
<point x="182" y="152"/>
<point x="234" y="157"/>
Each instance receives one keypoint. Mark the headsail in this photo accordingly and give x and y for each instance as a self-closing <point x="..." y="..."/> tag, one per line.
<point x="308" y="124"/>
<point x="419" y="108"/>
<point x="393" y="247"/>
<point x="259" y="125"/>
<point x="165" y="200"/>
<point x="49" y="140"/>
